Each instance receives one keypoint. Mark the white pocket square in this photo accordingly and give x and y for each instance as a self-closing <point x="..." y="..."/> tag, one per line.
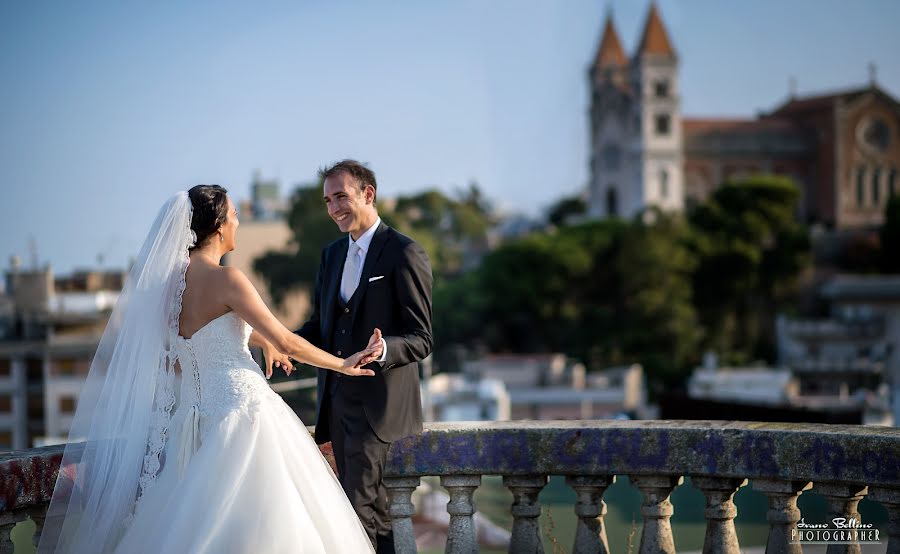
<point x="376" y="278"/>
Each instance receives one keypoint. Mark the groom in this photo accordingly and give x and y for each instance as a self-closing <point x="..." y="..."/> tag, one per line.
<point x="374" y="278"/>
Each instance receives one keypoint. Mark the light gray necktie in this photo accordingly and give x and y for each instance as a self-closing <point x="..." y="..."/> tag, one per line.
<point x="350" y="278"/>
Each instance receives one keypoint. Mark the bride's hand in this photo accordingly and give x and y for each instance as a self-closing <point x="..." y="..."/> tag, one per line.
<point x="274" y="359"/>
<point x="353" y="364"/>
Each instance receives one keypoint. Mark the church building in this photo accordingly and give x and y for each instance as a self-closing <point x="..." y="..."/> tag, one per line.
<point x="842" y="149"/>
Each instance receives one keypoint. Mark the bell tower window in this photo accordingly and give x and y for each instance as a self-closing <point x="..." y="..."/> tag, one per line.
<point x="661" y="88"/>
<point x="663" y="124"/>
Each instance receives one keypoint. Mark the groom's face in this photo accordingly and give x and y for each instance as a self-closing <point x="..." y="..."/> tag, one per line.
<point x="348" y="205"/>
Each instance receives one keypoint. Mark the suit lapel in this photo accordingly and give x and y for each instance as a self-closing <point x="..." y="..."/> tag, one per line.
<point x="333" y="283"/>
<point x="375" y="248"/>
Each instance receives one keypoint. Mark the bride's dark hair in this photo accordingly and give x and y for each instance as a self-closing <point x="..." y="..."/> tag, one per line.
<point x="210" y="203"/>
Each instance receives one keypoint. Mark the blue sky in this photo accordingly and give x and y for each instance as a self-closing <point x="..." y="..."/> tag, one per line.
<point x="106" y="108"/>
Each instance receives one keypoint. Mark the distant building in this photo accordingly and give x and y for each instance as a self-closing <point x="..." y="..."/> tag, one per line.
<point x="454" y="397"/>
<point x="842" y="149"/>
<point x="264" y="229"/>
<point x="51" y="329"/>
<point x="636" y="131"/>
<point x="856" y="348"/>
<point x="548" y="386"/>
<point x="773" y="394"/>
<point x="267" y="203"/>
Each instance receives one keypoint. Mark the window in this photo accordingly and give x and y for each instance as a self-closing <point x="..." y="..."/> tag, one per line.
<point x="5" y="367"/>
<point x="661" y="88"/>
<point x="860" y="185"/>
<point x="6" y="439"/>
<point x="612" y="157"/>
<point x="67" y="404"/>
<point x="612" y="201"/>
<point x="34" y="368"/>
<point x="63" y="366"/>
<point x="5" y="404"/>
<point x="876" y="185"/>
<point x="662" y="124"/>
<point x="663" y="183"/>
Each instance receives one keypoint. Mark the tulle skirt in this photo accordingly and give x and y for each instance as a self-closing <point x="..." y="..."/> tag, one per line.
<point x="257" y="483"/>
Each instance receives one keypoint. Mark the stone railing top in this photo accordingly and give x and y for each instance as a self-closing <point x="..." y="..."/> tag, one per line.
<point x="27" y="477"/>
<point x="797" y="452"/>
<point x="814" y="452"/>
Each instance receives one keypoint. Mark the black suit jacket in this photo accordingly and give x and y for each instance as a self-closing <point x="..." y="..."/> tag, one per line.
<point x="400" y="305"/>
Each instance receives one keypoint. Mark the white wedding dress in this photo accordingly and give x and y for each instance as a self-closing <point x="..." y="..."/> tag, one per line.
<point x="240" y="472"/>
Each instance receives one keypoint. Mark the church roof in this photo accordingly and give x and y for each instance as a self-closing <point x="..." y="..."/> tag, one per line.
<point x="610" y="52"/>
<point x="655" y="39"/>
<point x="824" y="101"/>
<point x="704" y="125"/>
<point x="763" y="137"/>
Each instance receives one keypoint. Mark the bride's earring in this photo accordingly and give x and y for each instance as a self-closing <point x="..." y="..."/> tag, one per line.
<point x="221" y="238"/>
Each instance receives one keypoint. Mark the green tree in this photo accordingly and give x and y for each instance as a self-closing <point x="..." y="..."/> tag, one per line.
<point x="566" y="208"/>
<point x="607" y="292"/>
<point x="452" y="230"/>
<point x="751" y="252"/>
<point x="530" y="290"/>
<point x="312" y="230"/>
<point x="449" y="229"/>
<point x="658" y="319"/>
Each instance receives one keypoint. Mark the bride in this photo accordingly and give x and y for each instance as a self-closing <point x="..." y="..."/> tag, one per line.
<point x="232" y="468"/>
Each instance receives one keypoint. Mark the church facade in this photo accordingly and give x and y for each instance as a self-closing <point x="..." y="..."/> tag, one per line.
<point x="842" y="149"/>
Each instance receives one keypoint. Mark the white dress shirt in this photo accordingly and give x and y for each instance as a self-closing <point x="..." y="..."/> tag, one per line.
<point x="364" y="241"/>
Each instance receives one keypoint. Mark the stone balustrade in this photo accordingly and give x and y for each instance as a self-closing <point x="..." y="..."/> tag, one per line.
<point x="842" y="463"/>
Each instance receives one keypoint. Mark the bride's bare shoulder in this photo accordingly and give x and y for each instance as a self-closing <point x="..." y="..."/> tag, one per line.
<point x="232" y="278"/>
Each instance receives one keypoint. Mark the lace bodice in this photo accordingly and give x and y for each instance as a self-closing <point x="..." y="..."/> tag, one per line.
<point x="219" y="376"/>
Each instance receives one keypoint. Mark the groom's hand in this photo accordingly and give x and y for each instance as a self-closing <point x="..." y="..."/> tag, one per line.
<point x="376" y="345"/>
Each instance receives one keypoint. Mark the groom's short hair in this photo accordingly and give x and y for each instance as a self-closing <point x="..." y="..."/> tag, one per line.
<point x="363" y="175"/>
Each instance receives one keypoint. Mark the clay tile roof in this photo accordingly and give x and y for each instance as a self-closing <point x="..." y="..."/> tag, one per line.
<point x="818" y="102"/>
<point x="610" y="52"/>
<point x="697" y="126"/>
<point x="655" y="39"/>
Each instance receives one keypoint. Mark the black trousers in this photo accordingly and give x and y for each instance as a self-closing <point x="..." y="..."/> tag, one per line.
<point x="361" y="457"/>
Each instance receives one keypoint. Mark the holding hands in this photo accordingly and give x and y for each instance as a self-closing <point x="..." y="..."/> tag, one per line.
<point x="276" y="359"/>
<point x="351" y="366"/>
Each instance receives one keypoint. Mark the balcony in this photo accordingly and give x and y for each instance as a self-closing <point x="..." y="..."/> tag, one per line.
<point x="843" y="464"/>
<point x="835" y="329"/>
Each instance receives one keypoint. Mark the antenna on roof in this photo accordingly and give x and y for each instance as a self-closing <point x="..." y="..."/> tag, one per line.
<point x="33" y="251"/>
<point x="873" y="73"/>
<point x="792" y="87"/>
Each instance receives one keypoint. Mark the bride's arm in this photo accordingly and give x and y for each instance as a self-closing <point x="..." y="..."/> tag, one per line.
<point x="242" y="297"/>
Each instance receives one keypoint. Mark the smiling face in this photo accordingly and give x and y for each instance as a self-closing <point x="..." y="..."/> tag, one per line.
<point x="352" y="208"/>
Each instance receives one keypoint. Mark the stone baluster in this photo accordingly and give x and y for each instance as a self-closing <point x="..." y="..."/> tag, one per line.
<point x="720" y="512"/>
<point x="461" y="537"/>
<point x="401" y="510"/>
<point x="6" y="526"/>
<point x="526" y="530"/>
<point x="590" y="532"/>
<point x="783" y="513"/>
<point x="843" y="501"/>
<point x="8" y="520"/>
<point x="656" y="537"/>
<point x="890" y="499"/>
<point x="37" y="515"/>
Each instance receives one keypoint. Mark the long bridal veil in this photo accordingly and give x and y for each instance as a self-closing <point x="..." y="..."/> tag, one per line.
<point x="121" y="422"/>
